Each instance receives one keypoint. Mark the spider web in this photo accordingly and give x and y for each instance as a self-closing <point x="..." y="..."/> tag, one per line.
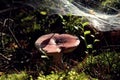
<point x="100" y="20"/>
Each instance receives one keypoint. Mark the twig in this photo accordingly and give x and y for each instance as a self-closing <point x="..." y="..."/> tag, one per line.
<point x="4" y="57"/>
<point x="111" y="46"/>
<point x="8" y="9"/>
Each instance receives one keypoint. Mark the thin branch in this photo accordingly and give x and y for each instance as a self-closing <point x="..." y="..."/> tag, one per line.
<point x="4" y="57"/>
<point x="8" y="9"/>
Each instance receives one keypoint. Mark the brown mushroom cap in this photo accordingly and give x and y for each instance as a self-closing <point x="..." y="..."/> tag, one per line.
<point x="67" y="43"/>
<point x="57" y="43"/>
<point x="44" y="40"/>
<point x="51" y="48"/>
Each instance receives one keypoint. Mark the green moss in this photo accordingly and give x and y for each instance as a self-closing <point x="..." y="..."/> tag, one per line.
<point x="20" y="76"/>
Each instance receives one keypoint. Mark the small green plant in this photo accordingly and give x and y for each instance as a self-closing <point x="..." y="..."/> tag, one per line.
<point x="110" y="6"/>
<point x="20" y="76"/>
<point x="70" y="75"/>
<point x="72" y="24"/>
<point x="103" y="66"/>
<point x="89" y="38"/>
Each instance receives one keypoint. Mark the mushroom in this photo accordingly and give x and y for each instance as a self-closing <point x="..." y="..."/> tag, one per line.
<point x="55" y="45"/>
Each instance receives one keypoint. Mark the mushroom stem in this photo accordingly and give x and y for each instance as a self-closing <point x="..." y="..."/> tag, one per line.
<point x="57" y="60"/>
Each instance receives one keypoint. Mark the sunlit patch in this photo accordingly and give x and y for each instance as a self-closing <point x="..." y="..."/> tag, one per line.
<point x="43" y="12"/>
<point x="92" y="12"/>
